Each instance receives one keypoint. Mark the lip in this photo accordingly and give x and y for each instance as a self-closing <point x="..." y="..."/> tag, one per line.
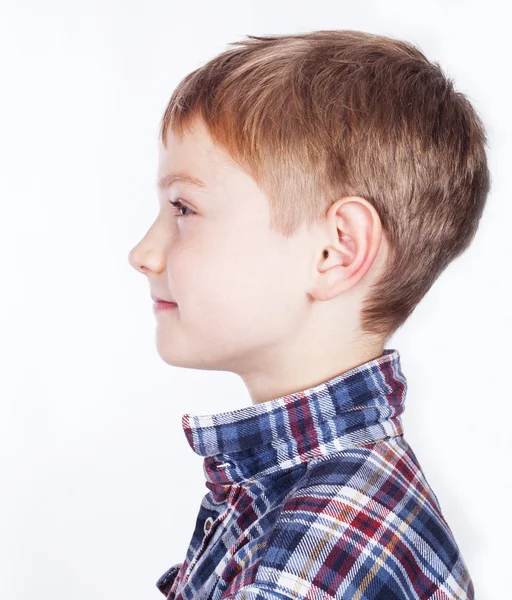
<point x="161" y="305"/>
<point x="157" y="299"/>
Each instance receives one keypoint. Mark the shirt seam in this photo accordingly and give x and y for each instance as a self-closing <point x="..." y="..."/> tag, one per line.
<point x="310" y="461"/>
<point x="263" y="588"/>
<point x="316" y="460"/>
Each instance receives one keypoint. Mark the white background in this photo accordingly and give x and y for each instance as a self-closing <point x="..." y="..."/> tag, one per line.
<point x="99" y="488"/>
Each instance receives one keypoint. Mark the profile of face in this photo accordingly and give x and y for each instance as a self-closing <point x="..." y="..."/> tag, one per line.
<point x="240" y="288"/>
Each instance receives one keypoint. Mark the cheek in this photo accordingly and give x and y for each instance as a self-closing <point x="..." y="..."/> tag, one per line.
<point x="236" y="290"/>
<point x="221" y="285"/>
<point x="244" y="295"/>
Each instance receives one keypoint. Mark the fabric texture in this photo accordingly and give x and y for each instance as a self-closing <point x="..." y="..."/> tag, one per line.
<point x="317" y="495"/>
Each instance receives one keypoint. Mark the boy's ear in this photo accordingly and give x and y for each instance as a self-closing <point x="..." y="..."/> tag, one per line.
<point x="354" y="232"/>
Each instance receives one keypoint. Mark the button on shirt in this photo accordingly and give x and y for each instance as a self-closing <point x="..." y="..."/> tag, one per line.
<point x="317" y="495"/>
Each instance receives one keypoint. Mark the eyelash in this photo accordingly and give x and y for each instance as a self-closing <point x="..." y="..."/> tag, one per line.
<point x="177" y="204"/>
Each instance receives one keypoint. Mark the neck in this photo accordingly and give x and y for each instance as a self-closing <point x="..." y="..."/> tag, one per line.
<point x="302" y="367"/>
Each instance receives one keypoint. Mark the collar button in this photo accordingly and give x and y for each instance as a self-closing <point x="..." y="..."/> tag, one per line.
<point x="224" y="465"/>
<point x="208" y="524"/>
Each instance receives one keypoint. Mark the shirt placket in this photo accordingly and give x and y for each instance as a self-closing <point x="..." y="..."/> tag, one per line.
<point x="213" y="529"/>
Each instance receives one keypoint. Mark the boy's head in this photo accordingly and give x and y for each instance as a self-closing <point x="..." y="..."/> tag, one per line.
<point x="337" y="141"/>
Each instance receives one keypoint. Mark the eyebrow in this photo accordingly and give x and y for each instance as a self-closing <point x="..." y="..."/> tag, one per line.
<point x="167" y="180"/>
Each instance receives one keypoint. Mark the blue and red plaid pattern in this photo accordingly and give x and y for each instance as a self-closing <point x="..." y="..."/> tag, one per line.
<point x="317" y="495"/>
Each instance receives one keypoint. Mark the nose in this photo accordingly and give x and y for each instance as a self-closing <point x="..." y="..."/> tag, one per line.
<point x="144" y="259"/>
<point x="134" y="259"/>
<point x="150" y="253"/>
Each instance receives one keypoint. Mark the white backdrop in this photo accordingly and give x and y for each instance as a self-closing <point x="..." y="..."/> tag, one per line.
<point x="99" y="488"/>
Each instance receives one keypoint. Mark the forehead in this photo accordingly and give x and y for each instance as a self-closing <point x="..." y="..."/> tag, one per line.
<point x="193" y="155"/>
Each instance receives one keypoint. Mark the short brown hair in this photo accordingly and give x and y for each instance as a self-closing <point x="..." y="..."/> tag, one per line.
<point x="317" y="116"/>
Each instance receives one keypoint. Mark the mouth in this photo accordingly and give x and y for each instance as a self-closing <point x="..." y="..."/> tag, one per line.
<point x="160" y="305"/>
<point x="162" y="300"/>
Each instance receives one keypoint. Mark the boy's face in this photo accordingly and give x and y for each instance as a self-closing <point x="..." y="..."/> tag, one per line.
<point x="240" y="287"/>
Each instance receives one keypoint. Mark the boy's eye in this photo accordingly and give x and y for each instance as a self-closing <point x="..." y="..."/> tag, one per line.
<point x="177" y="204"/>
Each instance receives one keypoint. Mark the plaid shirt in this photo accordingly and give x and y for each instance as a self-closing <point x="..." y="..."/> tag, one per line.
<point x="317" y="495"/>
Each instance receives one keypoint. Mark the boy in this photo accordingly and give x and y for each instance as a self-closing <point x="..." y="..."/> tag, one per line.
<point x="312" y="188"/>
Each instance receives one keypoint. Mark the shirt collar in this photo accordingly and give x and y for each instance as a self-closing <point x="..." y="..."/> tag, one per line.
<point x="358" y="407"/>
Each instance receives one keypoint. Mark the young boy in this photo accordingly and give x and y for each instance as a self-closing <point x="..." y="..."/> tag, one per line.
<point x="312" y="188"/>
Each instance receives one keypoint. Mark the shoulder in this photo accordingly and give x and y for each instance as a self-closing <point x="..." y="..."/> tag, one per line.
<point x="363" y="523"/>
